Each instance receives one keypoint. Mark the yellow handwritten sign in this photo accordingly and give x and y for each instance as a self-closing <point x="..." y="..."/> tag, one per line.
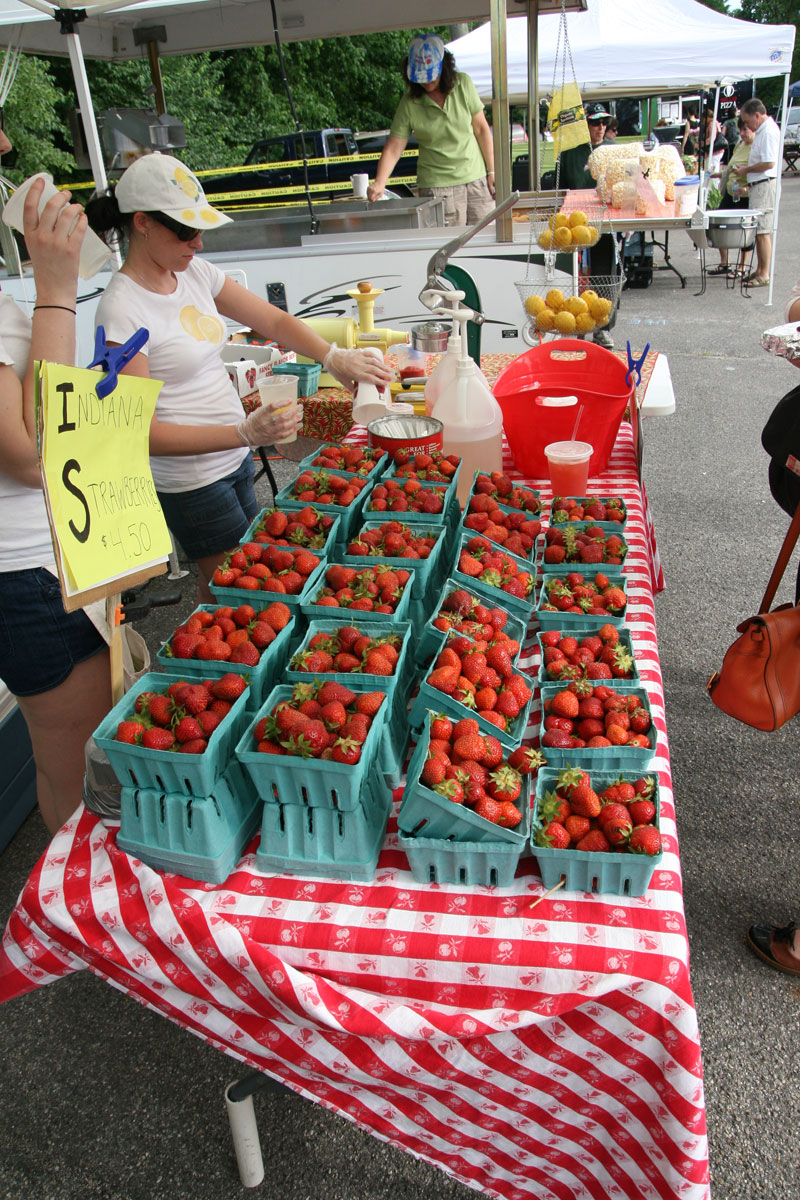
<point x="98" y="484"/>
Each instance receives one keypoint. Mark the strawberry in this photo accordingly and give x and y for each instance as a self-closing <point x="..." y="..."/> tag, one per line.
<point x="490" y="810"/>
<point x="368" y="703"/>
<point x="245" y="654"/>
<point x="510" y="815"/>
<point x="158" y="739"/>
<point x="577" y="827"/>
<point x="230" y="687"/>
<point x="346" y="750"/>
<point x="525" y="760"/>
<point x="208" y="722"/>
<point x="642" y="812"/>
<point x="187" y="730"/>
<point x="565" y="704"/>
<point x="331" y="691"/>
<point x="504" y="784"/>
<point x="553" y="835"/>
<point x="451" y="789"/>
<point x="594" y="841"/>
<point x="194" y="746"/>
<point x="432" y="772"/>
<point x="441" y="727"/>
<point x="444" y="679"/>
<point x="333" y="715"/>
<point x="494" y="752"/>
<point x="472" y="746"/>
<point x="584" y="801"/>
<point x="645" y="839"/>
<point x="376" y="663"/>
<point x="498" y="658"/>
<point x="129" y="732"/>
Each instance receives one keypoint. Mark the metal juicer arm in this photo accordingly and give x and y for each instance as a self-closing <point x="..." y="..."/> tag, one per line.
<point x="442" y="256"/>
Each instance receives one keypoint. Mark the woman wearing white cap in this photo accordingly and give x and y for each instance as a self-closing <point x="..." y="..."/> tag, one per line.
<point x="444" y="112"/>
<point x="200" y="442"/>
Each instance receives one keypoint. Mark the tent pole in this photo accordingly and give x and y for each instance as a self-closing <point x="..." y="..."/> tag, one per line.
<point x="534" y="148"/>
<point x="784" y="119"/>
<point x="87" y="111"/>
<point x="501" y="129"/>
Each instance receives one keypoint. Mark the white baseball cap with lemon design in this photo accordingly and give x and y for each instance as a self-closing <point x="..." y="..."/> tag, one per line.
<point x="160" y="183"/>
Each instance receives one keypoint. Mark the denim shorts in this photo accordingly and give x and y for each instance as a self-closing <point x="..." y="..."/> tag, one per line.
<point x="40" y="643"/>
<point x="212" y="519"/>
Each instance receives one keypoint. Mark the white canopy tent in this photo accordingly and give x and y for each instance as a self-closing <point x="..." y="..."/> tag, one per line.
<point x="634" y="48"/>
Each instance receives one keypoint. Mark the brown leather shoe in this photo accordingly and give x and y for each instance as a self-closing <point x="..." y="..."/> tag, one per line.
<point x="771" y="943"/>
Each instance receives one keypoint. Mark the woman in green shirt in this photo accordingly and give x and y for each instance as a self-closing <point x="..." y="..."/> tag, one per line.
<point x="456" y="153"/>
<point x="735" y="194"/>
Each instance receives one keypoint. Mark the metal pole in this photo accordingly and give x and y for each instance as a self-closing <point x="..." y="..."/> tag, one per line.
<point x="779" y="164"/>
<point x="501" y="128"/>
<point x="534" y="149"/>
<point x="87" y="112"/>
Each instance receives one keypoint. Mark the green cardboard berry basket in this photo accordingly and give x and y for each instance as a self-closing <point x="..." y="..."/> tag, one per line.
<point x="377" y="471"/>
<point x="609" y="526"/>
<point x="603" y="758"/>
<point x="169" y="770"/>
<point x="308" y="375"/>
<point x="431" y="699"/>
<point x="602" y="872"/>
<point x="261" y="677"/>
<point x="625" y="641"/>
<point x="463" y="864"/>
<point x="322" y="551"/>
<point x="314" y="611"/>
<point x="260" y="598"/>
<point x="509" y="507"/>
<point x="350" y="516"/>
<point x="496" y="597"/>
<point x="569" y="621"/>
<point x="533" y="556"/>
<point x="431" y="639"/>
<point x="560" y="568"/>
<point x="200" y="837"/>
<point x="397" y="686"/>
<point x="425" y="813"/>
<point x="429" y="571"/>
<point x="309" y="782"/>
<point x="415" y="518"/>
<point x="324" y="842"/>
<point x="452" y="487"/>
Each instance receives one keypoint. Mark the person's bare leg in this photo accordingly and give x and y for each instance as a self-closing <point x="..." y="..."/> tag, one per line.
<point x="60" y="722"/>
<point x="763" y="254"/>
<point x="205" y="569"/>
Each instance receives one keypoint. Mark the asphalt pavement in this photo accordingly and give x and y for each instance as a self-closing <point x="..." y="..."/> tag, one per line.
<point x="102" y="1098"/>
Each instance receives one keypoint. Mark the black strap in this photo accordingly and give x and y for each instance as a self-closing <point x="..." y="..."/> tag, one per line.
<point x="784" y="554"/>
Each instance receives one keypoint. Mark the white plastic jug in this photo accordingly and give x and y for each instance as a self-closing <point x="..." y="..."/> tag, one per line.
<point x="445" y="372"/>
<point x="472" y="420"/>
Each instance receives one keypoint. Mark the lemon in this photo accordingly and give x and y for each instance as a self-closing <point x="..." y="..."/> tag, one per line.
<point x="545" y="239"/>
<point x="600" y="310"/>
<point x="578" y="218"/>
<point x="562" y="236"/>
<point x="581" y="235"/>
<point x="584" y="322"/>
<point x="588" y="295"/>
<point x="534" y="305"/>
<point x="565" y="322"/>
<point x="555" y="299"/>
<point x="576" y="306"/>
<point x="545" y="320"/>
<point x="559" y="220"/>
<point x="594" y="234"/>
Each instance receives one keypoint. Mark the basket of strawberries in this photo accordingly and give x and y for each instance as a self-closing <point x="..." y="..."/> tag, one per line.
<point x="372" y="592"/>
<point x="459" y="610"/>
<point x="605" y="655"/>
<point x="287" y="571"/>
<point x="306" y="527"/>
<point x="610" y="727"/>
<point x="501" y="578"/>
<point x="354" y="460"/>
<point x="572" y="599"/>
<point x="337" y="495"/>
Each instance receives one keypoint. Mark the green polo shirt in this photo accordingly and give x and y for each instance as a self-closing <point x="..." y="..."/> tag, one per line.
<point x="448" y="149"/>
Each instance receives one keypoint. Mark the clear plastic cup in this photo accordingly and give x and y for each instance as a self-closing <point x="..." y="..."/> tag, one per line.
<point x="279" y="393"/>
<point x="94" y="252"/>
<point x="568" y="465"/>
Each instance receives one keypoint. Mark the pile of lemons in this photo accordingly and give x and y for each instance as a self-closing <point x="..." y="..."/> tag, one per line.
<point x="554" y="313"/>
<point x="568" y="231"/>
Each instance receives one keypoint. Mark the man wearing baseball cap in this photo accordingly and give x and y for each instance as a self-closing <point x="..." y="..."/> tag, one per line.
<point x="573" y="172"/>
<point x="456" y="154"/>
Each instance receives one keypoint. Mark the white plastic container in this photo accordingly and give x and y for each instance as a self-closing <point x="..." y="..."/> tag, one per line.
<point x="687" y="191"/>
<point x="279" y="393"/>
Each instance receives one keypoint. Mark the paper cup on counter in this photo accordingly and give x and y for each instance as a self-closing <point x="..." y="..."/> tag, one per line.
<point x="360" y="184"/>
<point x="279" y="393"/>
<point x="94" y="252"/>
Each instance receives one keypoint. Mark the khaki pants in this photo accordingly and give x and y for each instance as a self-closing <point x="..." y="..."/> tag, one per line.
<point x="464" y="203"/>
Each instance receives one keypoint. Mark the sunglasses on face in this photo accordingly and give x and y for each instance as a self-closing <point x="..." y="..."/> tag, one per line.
<point x="184" y="233"/>
<point x="598" y="121"/>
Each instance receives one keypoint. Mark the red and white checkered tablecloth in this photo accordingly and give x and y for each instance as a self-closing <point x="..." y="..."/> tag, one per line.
<point x="545" y="1054"/>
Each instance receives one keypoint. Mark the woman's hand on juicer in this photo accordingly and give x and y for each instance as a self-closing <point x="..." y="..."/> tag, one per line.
<point x="356" y="366"/>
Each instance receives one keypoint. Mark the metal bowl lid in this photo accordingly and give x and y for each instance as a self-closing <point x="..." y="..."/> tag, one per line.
<point x="431" y="336"/>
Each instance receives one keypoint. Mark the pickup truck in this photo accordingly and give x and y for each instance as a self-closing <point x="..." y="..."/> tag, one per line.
<point x="273" y="170"/>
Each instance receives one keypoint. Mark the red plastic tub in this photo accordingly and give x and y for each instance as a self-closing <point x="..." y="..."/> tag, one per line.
<point x="555" y="370"/>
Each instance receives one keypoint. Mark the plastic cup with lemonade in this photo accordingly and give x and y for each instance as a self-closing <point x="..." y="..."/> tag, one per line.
<point x="568" y="466"/>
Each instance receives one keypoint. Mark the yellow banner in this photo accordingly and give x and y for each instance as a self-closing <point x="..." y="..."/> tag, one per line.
<point x="99" y="489"/>
<point x="567" y="119"/>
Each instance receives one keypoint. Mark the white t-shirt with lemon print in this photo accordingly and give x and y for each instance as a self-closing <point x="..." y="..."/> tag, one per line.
<point x="186" y="334"/>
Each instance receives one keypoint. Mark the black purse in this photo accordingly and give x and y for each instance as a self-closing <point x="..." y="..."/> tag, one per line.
<point x="780" y="437"/>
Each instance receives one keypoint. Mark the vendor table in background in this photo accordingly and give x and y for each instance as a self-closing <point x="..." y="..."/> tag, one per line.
<point x="545" y="1054"/>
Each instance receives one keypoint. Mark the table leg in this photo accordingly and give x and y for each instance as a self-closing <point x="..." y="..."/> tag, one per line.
<point x="244" y="1130"/>
<point x="667" y="264"/>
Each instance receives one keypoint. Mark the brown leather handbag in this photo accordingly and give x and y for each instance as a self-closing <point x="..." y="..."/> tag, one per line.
<point x="759" y="681"/>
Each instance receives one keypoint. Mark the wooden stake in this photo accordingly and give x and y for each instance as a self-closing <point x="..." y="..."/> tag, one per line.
<point x="549" y="892"/>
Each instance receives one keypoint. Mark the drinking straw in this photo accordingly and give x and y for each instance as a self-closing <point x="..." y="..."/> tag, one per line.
<point x="577" y="423"/>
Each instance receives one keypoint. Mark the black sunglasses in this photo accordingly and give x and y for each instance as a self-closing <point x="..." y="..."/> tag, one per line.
<point x="184" y="233"/>
<point x="597" y="120"/>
